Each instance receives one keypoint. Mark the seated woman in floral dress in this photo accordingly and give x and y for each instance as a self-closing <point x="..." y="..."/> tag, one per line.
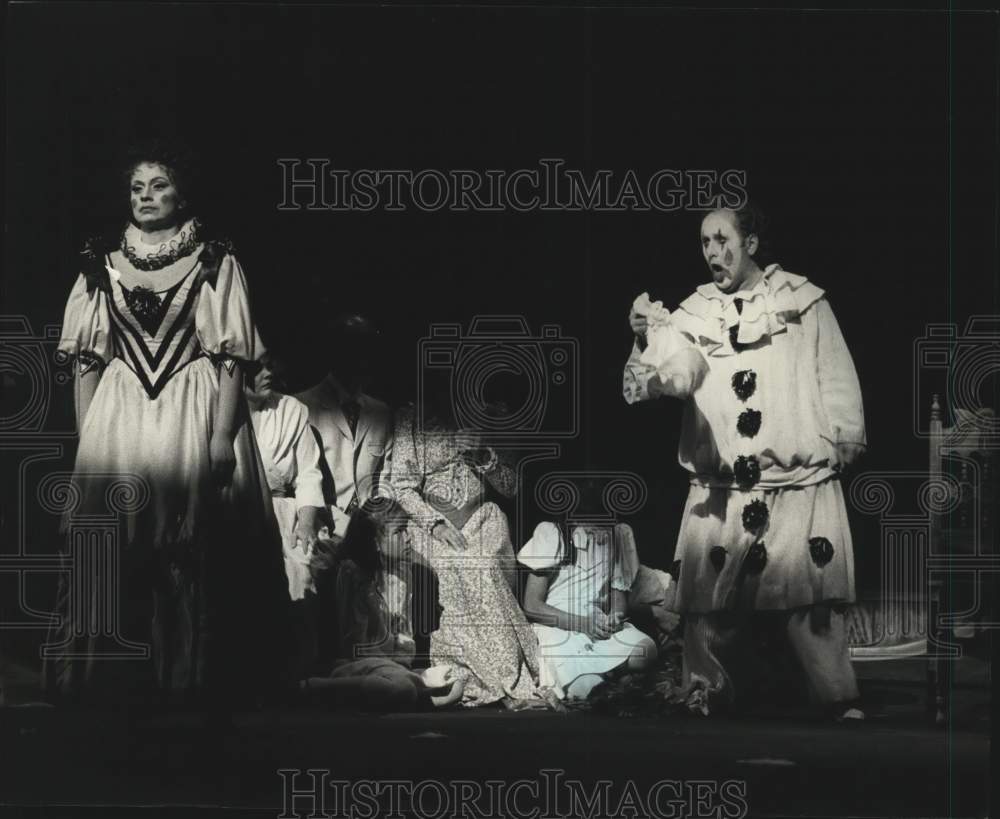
<point x="440" y="476"/>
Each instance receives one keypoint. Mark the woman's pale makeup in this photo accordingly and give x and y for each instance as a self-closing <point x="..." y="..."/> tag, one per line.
<point x="156" y="202"/>
<point x="263" y="391"/>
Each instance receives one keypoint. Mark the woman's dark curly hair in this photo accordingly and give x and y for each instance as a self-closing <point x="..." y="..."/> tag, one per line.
<point x="176" y="158"/>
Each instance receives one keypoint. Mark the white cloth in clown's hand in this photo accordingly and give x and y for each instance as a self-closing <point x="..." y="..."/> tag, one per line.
<point x="654" y="311"/>
<point x="667" y="351"/>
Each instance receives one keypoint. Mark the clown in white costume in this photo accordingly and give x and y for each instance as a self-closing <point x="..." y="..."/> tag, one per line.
<point x="773" y="413"/>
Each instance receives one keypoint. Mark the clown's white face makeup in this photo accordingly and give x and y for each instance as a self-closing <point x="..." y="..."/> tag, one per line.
<point x="728" y="254"/>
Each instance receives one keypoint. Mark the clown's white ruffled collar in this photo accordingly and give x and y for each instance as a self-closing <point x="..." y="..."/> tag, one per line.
<point x="767" y="305"/>
<point x="761" y="287"/>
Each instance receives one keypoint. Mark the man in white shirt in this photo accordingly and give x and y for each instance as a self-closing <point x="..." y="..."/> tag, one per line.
<point x="355" y="430"/>
<point x="356" y="436"/>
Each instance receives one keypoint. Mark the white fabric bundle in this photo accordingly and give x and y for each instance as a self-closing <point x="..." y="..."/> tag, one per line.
<point x="664" y="341"/>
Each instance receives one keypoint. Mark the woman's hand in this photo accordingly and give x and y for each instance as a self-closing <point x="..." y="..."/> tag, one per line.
<point x="616" y="621"/>
<point x="639" y="326"/>
<point x="222" y="458"/>
<point x="596" y="627"/>
<point x="306" y="528"/>
<point x="450" y="535"/>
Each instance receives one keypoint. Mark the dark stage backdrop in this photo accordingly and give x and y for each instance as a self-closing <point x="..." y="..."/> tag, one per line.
<point x="868" y="137"/>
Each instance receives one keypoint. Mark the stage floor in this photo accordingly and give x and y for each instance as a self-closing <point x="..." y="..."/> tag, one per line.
<point x="895" y="764"/>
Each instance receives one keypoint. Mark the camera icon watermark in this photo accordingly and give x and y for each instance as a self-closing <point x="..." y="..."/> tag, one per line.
<point x="500" y="380"/>
<point x="939" y="559"/>
<point x="32" y="369"/>
<point x="959" y="366"/>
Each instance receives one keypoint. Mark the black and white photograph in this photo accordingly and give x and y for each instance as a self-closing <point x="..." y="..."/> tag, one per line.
<point x="504" y="410"/>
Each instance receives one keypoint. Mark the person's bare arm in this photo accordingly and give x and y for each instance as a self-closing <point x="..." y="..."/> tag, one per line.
<point x="86" y="385"/>
<point x="538" y="611"/>
<point x="619" y="604"/>
<point x="221" y="453"/>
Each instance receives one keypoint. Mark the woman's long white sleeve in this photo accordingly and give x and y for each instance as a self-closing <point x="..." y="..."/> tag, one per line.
<point x="407" y="475"/>
<point x="308" y="476"/>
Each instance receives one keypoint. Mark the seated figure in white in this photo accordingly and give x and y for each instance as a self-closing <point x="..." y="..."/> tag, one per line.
<point x="576" y="599"/>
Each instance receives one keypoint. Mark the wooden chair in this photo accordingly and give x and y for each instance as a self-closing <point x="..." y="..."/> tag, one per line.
<point x="963" y="537"/>
<point x="935" y="563"/>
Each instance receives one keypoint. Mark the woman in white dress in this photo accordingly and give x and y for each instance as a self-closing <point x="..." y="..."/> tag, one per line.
<point x="291" y="459"/>
<point x="160" y="325"/>
<point x="576" y="598"/>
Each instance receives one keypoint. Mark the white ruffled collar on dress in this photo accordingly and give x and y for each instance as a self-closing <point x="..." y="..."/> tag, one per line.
<point x="133" y="237"/>
<point x="161" y="277"/>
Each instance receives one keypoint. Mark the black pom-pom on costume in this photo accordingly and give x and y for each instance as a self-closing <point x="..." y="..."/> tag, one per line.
<point x="821" y="551"/>
<point x="755" y="516"/>
<point x="744" y="384"/>
<point x="748" y="424"/>
<point x="747" y="470"/>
